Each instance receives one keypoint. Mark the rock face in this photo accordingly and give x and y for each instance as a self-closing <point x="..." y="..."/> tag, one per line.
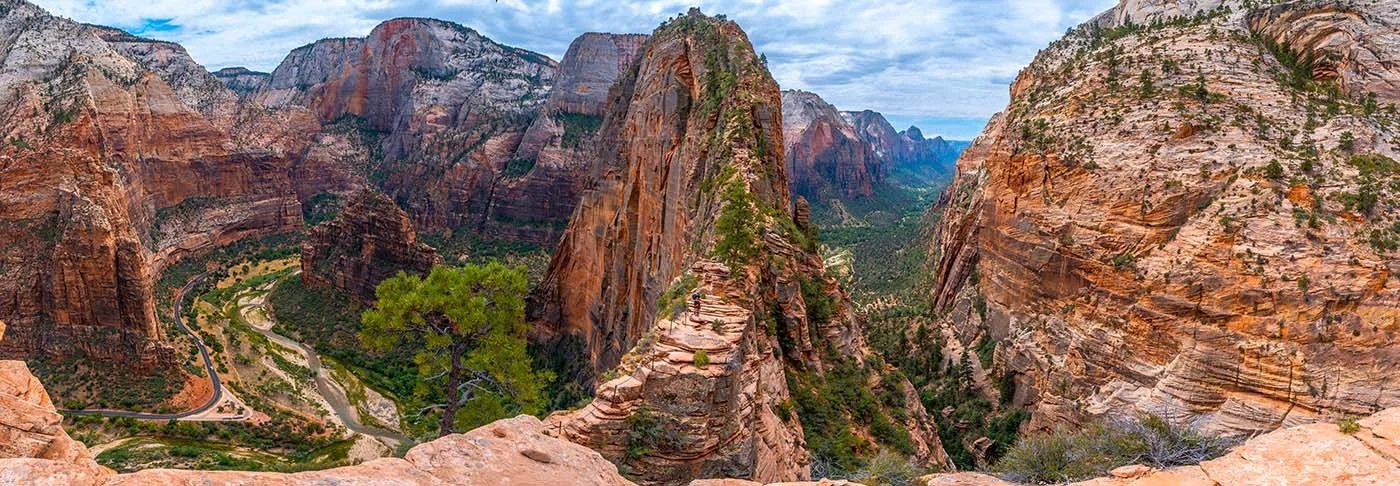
<point x="370" y="241"/>
<point x="825" y="154"/>
<point x="114" y="165"/>
<point x="692" y="176"/>
<point x="911" y="158"/>
<point x="849" y="154"/>
<point x="560" y="149"/>
<point x="442" y="108"/>
<point x="29" y="425"/>
<point x="242" y="80"/>
<point x="1191" y="217"/>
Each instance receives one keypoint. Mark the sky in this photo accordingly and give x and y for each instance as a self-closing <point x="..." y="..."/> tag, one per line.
<point x="944" y="65"/>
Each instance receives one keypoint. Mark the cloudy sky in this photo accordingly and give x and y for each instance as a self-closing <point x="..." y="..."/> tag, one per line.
<point x="941" y="64"/>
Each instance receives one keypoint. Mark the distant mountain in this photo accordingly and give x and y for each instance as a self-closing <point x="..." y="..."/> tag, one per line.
<point x="850" y="154"/>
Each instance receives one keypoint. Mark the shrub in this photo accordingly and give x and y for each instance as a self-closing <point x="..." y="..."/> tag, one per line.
<point x="1348" y="425"/>
<point x="672" y="302"/>
<point x="1274" y="170"/>
<point x="651" y="431"/>
<point x="1063" y="456"/>
<point x="889" y="469"/>
<point x="702" y="358"/>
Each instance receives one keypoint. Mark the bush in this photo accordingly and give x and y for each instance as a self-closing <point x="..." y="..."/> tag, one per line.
<point x="702" y="358"/>
<point x="1348" y="425"/>
<point x="1062" y="456"/>
<point x="889" y="469"/>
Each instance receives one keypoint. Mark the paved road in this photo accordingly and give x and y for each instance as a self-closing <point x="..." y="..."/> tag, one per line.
<point x="334" y="394"/>
<point x="203" y="353"/>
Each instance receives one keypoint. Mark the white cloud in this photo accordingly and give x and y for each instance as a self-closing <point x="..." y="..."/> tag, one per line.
<point x="910" y="59"/>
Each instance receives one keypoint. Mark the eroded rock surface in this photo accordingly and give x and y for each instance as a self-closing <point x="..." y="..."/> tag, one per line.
<point x="850" y="154"/>
<point x="370" y="241"/>
<point x="115" y="164"/>
<point x="1189" y="218"/>
<point x="692" y="199"/>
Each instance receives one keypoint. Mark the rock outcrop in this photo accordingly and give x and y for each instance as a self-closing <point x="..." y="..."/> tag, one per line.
<point x="114" y="165"/>
<point x="370" y="241"/>
<point x="1191" y="216"/>
<point x="692" y="197"/>
<point x="442" y="108"/>
<point x="29" y="425"/>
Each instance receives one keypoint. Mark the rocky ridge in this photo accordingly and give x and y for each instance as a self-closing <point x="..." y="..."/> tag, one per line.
<point x="369" y="241"/>
<point x="692" y="196"/>
<point x="1187" y="214"/>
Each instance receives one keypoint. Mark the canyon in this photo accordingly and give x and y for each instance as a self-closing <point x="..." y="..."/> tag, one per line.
<point x="1187" y="211"/>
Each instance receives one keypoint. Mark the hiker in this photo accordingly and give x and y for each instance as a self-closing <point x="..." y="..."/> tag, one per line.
<point x="696" y="298"/>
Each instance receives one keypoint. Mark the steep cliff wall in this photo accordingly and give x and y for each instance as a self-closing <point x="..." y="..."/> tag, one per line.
<point x="441" y="110"/>
<point x="107" y="176"/>
<point x="692" y="198"/>
<point x="851" y="154"/>
<point x="1189" y="215"/>
<point x="825" y="155"/>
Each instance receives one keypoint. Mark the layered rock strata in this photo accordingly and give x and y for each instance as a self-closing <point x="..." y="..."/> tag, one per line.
<point x="850" y="154"/>
<point x="1187" y="215"/>
<point x="114" y="164"/>
<point x="825" y="154"/>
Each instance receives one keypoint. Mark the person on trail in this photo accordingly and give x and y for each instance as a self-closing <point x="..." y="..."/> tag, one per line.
<point x="696" y="298"/>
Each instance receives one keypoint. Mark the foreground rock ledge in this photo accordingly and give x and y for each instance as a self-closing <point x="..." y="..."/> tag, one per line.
<point x="1308" y="454"/>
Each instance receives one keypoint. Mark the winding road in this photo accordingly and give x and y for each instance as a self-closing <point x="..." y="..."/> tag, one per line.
<point x="328" y="389"/>
<point x="203" y="353"/>
<point x="334" y="394"/>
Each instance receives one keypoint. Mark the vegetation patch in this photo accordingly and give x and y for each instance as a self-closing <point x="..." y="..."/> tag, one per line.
<point x="1064" y="456"/>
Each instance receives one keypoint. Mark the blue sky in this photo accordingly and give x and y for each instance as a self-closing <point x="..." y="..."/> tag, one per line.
<point x="944" y="65"/>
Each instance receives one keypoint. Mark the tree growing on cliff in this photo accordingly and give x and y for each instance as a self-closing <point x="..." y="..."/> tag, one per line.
<point x="471" y="322"/>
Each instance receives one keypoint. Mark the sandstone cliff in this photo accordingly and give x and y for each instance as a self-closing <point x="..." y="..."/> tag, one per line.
<point x="691" y="196"/>
<point x="110" y="170"/>
<point x="825" y="154"/>
<point x="1188" y="210"/>
<point x="850" y="154"/>
<point x="29" y="425"/>
<point x="370" y="241"/>
<point x="442" y="110"/>
<point x="242" y="80"/>
<point x="547" y="175"/>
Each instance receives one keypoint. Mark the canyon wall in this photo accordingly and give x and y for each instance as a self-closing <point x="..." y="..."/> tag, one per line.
<point x="114" y="165"/>
<point x="852" y="154"/>
<point x="825" y="155"/>
<point x="1189" y="210"/>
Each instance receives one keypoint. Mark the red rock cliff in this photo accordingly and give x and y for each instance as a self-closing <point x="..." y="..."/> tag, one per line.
<point x="370" y="241"/>
<point x="108" y="175"/>
<point x="1186" y="217"/>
